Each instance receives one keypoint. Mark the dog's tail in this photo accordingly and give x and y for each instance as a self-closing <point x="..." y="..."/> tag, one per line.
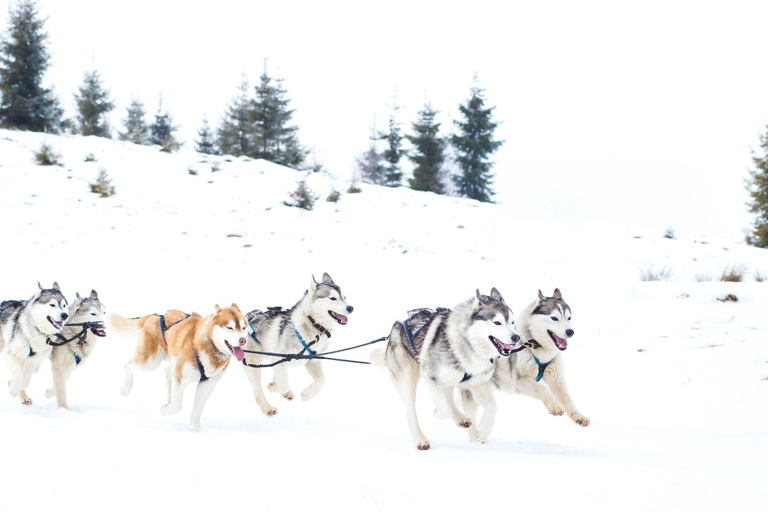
<point x="120" y="326"/>
<point x="378" y="356"/>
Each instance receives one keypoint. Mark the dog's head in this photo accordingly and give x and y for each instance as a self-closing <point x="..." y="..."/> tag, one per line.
<point x="49" y="309"/>
<point x="551" y="320"/>
<point x="328" y="302"/>
<point x="229" y="330"/>
<point x="492" y="325"/>
<point x="88" y="309"/>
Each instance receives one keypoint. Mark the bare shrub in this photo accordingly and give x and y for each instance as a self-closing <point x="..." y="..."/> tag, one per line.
<point x="651" y="273"/>
<point x="733" y="273"/>
<point x="760" y="276"/>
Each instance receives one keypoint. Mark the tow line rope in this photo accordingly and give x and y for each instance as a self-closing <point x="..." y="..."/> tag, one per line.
<point x="312" y="355"/>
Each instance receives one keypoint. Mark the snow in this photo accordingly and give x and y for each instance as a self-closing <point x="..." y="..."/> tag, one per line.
<point x="673" y="380"/>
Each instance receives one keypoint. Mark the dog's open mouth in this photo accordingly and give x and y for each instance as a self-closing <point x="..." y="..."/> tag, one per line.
<point x="58" y="325"/>
<point x="236" y="351"/>
<point x="561" y="343"/>
<point x="339" y="318"/>
<point x="99" y="331"/>
<point x="504" y="349"/>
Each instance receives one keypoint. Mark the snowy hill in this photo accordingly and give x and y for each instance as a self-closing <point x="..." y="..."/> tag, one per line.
<point x="673" y="379"/>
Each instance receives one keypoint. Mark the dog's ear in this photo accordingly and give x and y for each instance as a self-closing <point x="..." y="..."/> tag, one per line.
<point x="496" y="295"/>
<point x="234" y="306"/>
<point x="217" y="308"/>
<point x="313" y="285"/>
<point x="77" y="296"/>
<point x="327" y="279"/>
<point x="56" y="286"/>
<point x="541" y="295"/>
<point x="557" y="295"/>
<point x="94" y="295"/>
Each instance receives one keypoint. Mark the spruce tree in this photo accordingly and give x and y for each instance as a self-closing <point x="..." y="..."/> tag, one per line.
<point x="276" y="139"/>
<point x="162" y="130"/>
<point x="393" y="175"/>
<point x="758" y="191"/>
<point x="428" y="152"/>
<point x="93" y="105"/>
<point x="235" y="136"/>
<point x="136" y="129"/>
<point x="369" y="163"/>
<point x="474" y="145"/>
<point x="205" y="143"/>
<point x="25" y="103"/>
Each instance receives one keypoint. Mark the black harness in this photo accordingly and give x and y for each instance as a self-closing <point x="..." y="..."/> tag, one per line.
<point x="164" y="327"/>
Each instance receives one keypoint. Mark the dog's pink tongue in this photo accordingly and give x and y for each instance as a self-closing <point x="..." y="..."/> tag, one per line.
<point x="238" y="353"/>
<point x="562" y="341"/>
<point x="343" y="319"/>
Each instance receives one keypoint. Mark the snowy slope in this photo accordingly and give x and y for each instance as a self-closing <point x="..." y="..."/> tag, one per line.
<point x="673" y="380"/>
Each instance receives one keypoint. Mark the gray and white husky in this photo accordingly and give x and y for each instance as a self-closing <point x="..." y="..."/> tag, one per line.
<point x="26" y="330"/>
<point x="291" y="331"/>
<point x="88" y="314"/>
<point x="450" y="349"/>
<point x="545" y="326"/>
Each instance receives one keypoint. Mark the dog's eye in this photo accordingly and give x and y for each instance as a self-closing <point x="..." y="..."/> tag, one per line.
<point x="333" y="298"/>
<point x="53" y="305"/>
<point x="497" y="322"/>
<point x="93" y="314"/>
<point x="569" y="319"/>
<point x="554" y="318"/>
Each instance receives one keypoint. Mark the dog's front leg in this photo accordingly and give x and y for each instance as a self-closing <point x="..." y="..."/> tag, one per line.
<point x="177" y="395"/>
<point x="14" y="367"/>
<point x="254" y="375"/>
<point x="484" y="395"/>
<point x="202" y="393"/>
<point x="560" y="390"/>
<point x="469" y="405"/>
<point x="445" y="404"/>
<point x="315" y="369"/>
<point x="60" y="387"/>
<point x="527" y="386"/>
<point x="280" y="383"/>
<point x="28" y="369"/>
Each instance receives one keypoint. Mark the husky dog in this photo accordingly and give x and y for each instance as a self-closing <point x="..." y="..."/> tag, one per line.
<point x="450" y="348"/>
<point x="26" y="328"/>
<point x="86" y="314"/>
<point x="546" y="327"/>
<point x="199" y="350"/>
<point x="291" y="331"/>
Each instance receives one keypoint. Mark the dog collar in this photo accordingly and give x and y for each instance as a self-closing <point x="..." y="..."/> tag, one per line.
<point x="319" y="327"/>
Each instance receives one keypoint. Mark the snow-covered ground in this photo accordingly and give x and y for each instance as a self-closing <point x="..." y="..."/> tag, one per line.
<point x="673" y="379"/>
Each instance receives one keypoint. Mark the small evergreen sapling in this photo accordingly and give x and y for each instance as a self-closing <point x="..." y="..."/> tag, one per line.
<point x="46" y="155"/>
<point x="302" y="197"/>
<point x="103" y="184"/>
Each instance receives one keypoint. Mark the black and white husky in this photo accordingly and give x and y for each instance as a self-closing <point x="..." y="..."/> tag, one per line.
<point x="26" y="330"/>
<point x="450" y="349"/>
<point x="545" y="326"/>
<point x="82" y="330"/>
<point x="305" y="328"/>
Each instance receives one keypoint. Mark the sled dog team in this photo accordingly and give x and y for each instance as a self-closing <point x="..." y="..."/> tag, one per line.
<point x="472" y="348"/>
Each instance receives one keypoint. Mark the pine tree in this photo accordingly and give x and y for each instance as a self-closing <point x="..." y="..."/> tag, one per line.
<point x="369" y="163"/>
<point x="428" y="152"/>
<point x="93" y="105"/>
<point x="276" y="139"/>
<point x="26" y="104"/>
<point x="758" y="190"/>
<point x="136" y="129"/>
<point x="474" y="145"/>
<point x="235" y="136"/>
<point x="205" y="143"/>
<point x="162" y="130"/>
<point x="393" y="175"/>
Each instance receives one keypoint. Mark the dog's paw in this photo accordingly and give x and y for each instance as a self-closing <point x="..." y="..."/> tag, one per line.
<point x="308" y="394"/>
<point x="465" y="423"/>
<point x="271" y="411"/>
<point x="272" y="386"/>
<point x="194" y="427"/>
<point x="580" y="419"/>
<point x="423" y="445"/>
<point x="441" y="415"/>
<point x="288" y="396"/>
<point x="555" y="409"/>
<point x="167" y="410"/>
<point x="125" y="390"/>
<point x="49" y="393"/>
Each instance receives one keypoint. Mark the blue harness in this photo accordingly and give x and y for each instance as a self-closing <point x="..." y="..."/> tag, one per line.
<point x="542" y="367"/>
<point x="309" y="350"/>
<point x="252" y="333"/>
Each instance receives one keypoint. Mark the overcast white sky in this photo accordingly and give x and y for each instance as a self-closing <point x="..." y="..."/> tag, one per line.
<point x="634" y="112"/>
